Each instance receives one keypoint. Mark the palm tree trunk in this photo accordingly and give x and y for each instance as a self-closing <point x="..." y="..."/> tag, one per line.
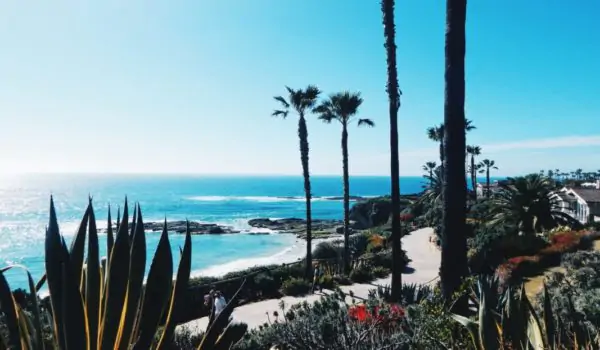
<point x="454" y="244"/>
<point x="346" y="199"/>
<point x="303" y="135"/>
<point x="430" y="177"/>
<point x="389" y="32"/>
<point x="473" y="176"/>
<point x="487" y="182"/>
<point x="442" y="157"/>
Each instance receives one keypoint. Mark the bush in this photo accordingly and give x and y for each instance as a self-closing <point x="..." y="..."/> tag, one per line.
<point x="361" y="274"/>
<point x="342" y="280"/>
<point x="327" y="251"/>
<point x="296" y="287"/>
<point x="327" y="282"/>
<point x="380" y="271"/>
<point x="266" y="284"/>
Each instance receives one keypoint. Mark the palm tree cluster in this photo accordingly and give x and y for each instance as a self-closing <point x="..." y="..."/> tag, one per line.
<point x="339" y="107"/>
<point x="571" y="176"/>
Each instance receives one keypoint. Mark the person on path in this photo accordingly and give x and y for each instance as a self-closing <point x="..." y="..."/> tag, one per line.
<point x="220" y="303"/>
<point x="318" y="273"/>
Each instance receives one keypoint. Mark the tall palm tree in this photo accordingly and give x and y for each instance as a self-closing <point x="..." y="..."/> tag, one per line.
<point x="429" y="167"/>
<point x="302" y="101"/>
<point x="343" y="107"/>
<point x="393" y="91"/>
<point x="473" y="151"/>
<point x="436" y="134"/>
<point x="485" y="166"/>
<point x="454" y="196"/>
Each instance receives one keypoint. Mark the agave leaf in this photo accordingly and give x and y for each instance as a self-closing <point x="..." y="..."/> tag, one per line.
<point x="26" y="328"/>
<point x="133" y="221"/>
<point x="534" y="329"/>
<point x="40" y="283"/>
<point x="93" y="281"/>
<point x="78" y="247"/>
<point x="74" y="317"/>
<point x="549" y="319"/>
<point x="471" y="326"/>
<point x="110" y="240"/>
<point x="157" y="292"/>
<point x="231" y="335"/>
<point x="488" y="328"/>
<point x="56" y="257"/>
<point x="179" y="291"/>
<point x="117" y="280"/>
<point x="220" y="322"/>
<point x="9" y="308"/>
<point x="137" y="270"/>
<point x="37" y="323"/>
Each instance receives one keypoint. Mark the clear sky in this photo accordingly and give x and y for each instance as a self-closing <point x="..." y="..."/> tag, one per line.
<point x="186" y="86"/>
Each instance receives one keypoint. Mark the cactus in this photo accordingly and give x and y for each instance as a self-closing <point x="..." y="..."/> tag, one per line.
<point x="104" y="304"/>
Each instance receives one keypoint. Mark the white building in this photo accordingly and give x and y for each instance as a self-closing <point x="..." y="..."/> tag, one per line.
<point x="580" y="202"/>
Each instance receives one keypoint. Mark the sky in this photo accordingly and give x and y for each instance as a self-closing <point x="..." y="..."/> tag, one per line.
<point x="187" y="86"/>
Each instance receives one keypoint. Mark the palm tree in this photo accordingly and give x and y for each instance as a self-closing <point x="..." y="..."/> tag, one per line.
<point x="393" y="91"/>
<point x="485" y="166"/>
<point x="436" y="134"/>
<point x="527" y="203"/>
<point x="429" y="167"/>
<point x="343" y="107"/>
<point x="302" y="101"/>
<point x="454" y="196"/>
<point x="473" y="151"/>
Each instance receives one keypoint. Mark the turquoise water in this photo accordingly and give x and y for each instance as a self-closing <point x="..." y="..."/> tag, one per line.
<point x="24" y="203"/>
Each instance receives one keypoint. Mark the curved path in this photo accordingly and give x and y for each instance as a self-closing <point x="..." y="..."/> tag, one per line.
<point x="424" y="268"/>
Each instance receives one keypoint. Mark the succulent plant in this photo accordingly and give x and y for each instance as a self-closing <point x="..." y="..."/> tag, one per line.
<point x="104" y="304"/>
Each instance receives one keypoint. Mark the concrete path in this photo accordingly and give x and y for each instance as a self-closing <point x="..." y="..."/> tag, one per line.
<point x="424" y="268"/>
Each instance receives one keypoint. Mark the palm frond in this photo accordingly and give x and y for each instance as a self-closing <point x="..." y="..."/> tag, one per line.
<point x="279" y="113"/>
<point x="326" y="117"/>
<point x="282" y="100"/>
<point x="366" y="122"/>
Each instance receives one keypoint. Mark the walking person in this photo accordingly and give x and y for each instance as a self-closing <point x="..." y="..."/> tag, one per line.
<point x="220" y="303"/>
<point x="317" y="274"/>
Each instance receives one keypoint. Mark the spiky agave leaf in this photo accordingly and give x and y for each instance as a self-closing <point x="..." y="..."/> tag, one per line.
<point x="157" y="292"/>
<point x="93" y="281"/>
<point x="215" y="328"/>
<point x="10" y="310"/>
<point x="179" y="291"/>
<point x="137" y="271"/>
<point x="116" y="286"/>
<point x="64" y="281"/>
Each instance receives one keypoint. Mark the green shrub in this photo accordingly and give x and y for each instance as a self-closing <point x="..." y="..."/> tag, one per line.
<point x="342" y="280"/>
<point x="327" y="281"/>
<point x="361" y="274"/>
<point x="296" y="287"/>
<point x="380" y="271"/>
<point x="266" y="284"/>
<point x="327" y="251"/>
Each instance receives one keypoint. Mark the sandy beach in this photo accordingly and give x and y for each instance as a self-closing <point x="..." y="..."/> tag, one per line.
<point x="295" y="252"/>
<point x="423" y="269"/>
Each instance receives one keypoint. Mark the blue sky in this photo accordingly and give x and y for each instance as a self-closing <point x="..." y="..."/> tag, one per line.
<point x="187" y="86"/>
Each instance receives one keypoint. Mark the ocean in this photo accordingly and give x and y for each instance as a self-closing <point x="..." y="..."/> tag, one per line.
<point x="227" y="200"/>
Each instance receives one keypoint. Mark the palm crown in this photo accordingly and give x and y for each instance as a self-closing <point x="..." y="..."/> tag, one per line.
<point x="342" y="107"/>
<point x="300" y="100"/>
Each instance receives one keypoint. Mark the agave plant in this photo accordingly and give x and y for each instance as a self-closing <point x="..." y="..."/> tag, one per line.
<point x="106" y="305"/>
<point x="508" y="321"/>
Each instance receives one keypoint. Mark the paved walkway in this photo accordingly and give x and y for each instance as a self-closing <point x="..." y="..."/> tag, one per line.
<point x="424" y="265"/>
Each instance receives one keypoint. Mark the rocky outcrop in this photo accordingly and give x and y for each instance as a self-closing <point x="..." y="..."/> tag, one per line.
<point x="294" y="225"/>
<point x="376" y="211"/>
<point x="196" y="228"/>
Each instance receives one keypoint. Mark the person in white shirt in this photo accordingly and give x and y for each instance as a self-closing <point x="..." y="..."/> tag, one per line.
<point x="220" y="302"/>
